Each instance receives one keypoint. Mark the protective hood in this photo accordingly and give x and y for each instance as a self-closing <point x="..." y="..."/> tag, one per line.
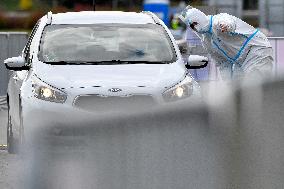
<point x="191" y="15"/>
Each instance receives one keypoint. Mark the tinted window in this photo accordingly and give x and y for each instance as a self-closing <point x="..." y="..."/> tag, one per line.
<point x="94" y="43"/>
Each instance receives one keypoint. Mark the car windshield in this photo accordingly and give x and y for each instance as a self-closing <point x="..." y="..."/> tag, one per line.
<point x="106" y="44"/>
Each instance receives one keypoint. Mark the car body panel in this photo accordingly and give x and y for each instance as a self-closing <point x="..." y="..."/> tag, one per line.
<point x="149" y="75"/>
<point x="100" y="17"/>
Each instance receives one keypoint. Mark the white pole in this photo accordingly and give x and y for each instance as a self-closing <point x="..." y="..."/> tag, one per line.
<point x="239" y="5"/>
<point x="262" y="13"/>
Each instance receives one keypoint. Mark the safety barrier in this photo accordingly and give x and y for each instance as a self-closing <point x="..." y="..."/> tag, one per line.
<point x="12" y="44"/>
<point x="3" y="122"/>
<point x="278" y="46"/>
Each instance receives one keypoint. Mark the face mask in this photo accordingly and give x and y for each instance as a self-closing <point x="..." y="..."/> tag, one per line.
<point x="183" y="14"/>
<point x="192" y="15"/>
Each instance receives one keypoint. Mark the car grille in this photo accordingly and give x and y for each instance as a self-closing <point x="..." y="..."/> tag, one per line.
<point x="97" y="103"/>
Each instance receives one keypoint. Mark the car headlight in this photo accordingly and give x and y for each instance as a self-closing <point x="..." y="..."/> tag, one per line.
<point x="180" y="91"/>
<point x="46" y="92"/>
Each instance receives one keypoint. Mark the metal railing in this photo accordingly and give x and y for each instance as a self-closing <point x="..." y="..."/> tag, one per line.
<point x="12" y="43"/>
<point x="3" y="122"/>
<point x="278" y="47"/>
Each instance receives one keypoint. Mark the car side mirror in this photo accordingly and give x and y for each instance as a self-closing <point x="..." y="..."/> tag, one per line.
<point x="16" y="63"/>
<point x="196" y="62"/>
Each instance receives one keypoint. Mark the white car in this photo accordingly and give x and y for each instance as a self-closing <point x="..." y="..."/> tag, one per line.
<point x="79" y="64"/>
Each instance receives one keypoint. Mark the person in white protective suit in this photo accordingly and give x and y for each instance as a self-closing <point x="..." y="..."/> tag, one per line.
<point x="238" y="49"/>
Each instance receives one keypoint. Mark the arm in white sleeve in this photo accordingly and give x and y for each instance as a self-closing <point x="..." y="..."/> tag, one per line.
<point x="224" y="23"/>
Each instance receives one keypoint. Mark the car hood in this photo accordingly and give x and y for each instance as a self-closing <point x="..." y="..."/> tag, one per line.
<point x="78" y="76"/>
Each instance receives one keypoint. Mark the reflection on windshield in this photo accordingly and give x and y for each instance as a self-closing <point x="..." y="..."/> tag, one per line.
<point x="117" y="43"/>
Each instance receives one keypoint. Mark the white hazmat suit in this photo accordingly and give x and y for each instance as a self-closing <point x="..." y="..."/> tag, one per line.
<point x="237" y="47"/>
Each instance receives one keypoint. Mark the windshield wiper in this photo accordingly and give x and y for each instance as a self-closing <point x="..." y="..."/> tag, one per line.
<point x="73" y="63"/>
<point x="108" y="62"/>
<point x="139" y="62"/>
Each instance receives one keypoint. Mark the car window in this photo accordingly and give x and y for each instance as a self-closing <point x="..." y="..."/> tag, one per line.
<point x="95" y="43"/>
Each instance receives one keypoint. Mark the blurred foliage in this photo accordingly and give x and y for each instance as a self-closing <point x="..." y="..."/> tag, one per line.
<point x="26" y="4"/>
<point x="26" y="22"/>
<point x="9" y="4"/>
<point x="70" y="4"/>
<point x="41" y="7"/>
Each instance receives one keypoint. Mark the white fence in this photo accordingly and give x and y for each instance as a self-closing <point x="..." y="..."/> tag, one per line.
<point x="12" y="43"/>
<point x="278" y="46"/>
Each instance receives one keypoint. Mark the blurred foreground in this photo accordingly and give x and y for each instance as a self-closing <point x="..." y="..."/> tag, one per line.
<point x="234" y="139"/>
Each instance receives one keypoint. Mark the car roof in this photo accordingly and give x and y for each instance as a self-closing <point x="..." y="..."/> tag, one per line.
<point x="100" y="17"/>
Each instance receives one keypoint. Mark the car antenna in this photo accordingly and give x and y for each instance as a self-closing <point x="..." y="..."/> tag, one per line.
<point x="94" y="5"/>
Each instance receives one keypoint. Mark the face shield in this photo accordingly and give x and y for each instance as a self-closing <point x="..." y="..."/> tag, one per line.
<point x="183" y="14"/>
<point x="196" y="19"/>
